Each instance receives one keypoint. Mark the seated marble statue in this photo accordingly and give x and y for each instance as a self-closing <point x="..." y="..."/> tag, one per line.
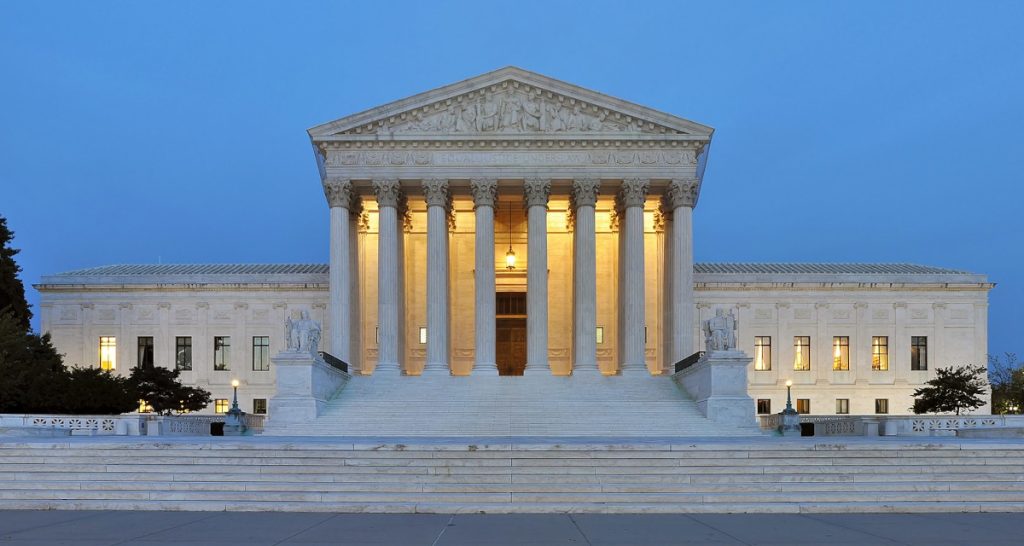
<point x="303" y="335"/>
<point x="720" y="331"/>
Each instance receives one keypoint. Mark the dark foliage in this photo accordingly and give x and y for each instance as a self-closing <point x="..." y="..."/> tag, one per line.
<point x="162" y="391"/>
<point x="12" y="292"/>
<point x="952" y="390"/>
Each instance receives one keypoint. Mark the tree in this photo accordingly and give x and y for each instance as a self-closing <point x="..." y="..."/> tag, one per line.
<point x="96" y="391"/>
<point x="1007" y="377"/>
<point x="32" y="376"/>
<point x="951" y="390"/>
<point x="12" y="292"/>
<point x="161" y="390"/>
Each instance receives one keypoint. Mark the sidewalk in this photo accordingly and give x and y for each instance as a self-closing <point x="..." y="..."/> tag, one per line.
<point x="80" y="528"/>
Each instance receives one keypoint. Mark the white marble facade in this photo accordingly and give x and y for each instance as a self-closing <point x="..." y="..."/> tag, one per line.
<point x="594" y="195"/>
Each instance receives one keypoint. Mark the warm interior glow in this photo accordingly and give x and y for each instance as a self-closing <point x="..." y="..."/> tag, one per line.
<point x="789" y="382"/>
<point x="510" y="259"/>
<point x="235" y="383"/>
<point x="108" y="353"/>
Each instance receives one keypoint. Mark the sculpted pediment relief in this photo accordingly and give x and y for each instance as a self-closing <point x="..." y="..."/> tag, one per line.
<point x="510" y="101"/>
<point x="511" y="107"/>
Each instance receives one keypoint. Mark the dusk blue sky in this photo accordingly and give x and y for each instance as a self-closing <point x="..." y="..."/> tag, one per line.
<point x="137" y="132"/>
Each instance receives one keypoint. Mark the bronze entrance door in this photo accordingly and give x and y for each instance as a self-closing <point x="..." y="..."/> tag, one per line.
<point x="510" y="350"/>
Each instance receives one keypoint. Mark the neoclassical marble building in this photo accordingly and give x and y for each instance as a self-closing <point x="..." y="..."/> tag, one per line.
<point x="513" y="224"/>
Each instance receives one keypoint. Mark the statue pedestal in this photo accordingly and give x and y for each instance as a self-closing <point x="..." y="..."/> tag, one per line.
<point x="305" y="383"/>
<point x="718" y="383"/>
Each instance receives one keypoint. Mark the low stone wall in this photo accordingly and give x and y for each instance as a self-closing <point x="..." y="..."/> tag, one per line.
<point x="100" y="425"/>
<point x="125" y="425"/>
<point x="897" y="425"/>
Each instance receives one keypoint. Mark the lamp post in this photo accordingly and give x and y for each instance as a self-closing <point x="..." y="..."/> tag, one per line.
<point x="790" y="418"/>
<point x="233" y="425"/>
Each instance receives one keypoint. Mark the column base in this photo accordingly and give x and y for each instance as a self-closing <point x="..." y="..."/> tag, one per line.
<point x="537" y="370"/>
<point x="634" y="370"/>
<point x="484" y="368"/>
<point x="436" y="369"/>
<point x="588" y="370"/>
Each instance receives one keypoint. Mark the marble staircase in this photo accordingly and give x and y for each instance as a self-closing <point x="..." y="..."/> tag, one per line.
<point x="623" y="475"/>
<point x="447" y="406"/>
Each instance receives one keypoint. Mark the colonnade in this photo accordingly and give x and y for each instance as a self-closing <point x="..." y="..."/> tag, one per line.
<point x="677" y="204"/>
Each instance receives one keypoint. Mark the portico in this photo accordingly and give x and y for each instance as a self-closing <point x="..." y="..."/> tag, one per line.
<point x="429" y="191"/>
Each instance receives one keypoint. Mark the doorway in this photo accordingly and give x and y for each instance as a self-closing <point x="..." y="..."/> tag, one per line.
<point x="510" y="336"/>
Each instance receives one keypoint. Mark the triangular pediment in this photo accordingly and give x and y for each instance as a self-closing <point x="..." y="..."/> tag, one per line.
<point x="506" y="102"/>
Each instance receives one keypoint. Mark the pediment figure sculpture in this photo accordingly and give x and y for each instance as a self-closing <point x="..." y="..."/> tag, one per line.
<point x="509" y="101"/>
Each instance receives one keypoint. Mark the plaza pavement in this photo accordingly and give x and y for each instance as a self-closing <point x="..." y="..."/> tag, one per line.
<point x="88" y="528"/>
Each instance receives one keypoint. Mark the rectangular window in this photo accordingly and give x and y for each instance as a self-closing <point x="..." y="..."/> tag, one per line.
<point x="841" y="353"/>
<point x="183" y="353"/>
<point x="842" y="406"/>
<point x="220" y="405"/>
<point x="880" y="353"/>
<point x="881" y="405"/>
<point x="222" y="353"/>
<point x="764" y="406"/>
<point x="259" y="406"/>
<point x="423" y="335"/>
<point x="802" y="353"/>
<point x="145" y="344"/>
<point x="600" y="335"/>
<point x="918" y="352"/>
<point x="803" y="406"/>
<point x="108" y="353"/>
<point x="261" y="353"/>
<point x="762" y="353"/>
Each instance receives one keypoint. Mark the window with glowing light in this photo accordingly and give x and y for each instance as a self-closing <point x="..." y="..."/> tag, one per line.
<point x="221" y="405"/>
<point x="841" y="353"/>
<point x="880" y="353"/>
<point x="918" y="353"/>
<point x="108" y="353"/>
<point x="802" y="353"/>
<point x="763" y="353"/>
<point x="222" y="353"/>
<point x="803" y="406"/>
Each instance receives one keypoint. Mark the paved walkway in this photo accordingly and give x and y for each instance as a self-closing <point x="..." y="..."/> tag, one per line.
<point x="39" y="528"/>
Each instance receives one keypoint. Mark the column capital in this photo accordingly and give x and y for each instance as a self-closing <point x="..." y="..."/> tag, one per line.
<point x="485" y="191"/>
<point x="585" y="192"/>
<point x="633" y="192"/>
<point x="682" y="192"/>
<point x="537" y="191"/>
<point x="338" y="192"/>
<point x="388" y="191"/>
<point x="435" y="192"/>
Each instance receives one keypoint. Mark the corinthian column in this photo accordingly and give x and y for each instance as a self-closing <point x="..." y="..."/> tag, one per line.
<point x="435" y="191"/>
<point x="536" y="192"/>
<point x="340" y="198"/>
<point x="632" y="195"/>
<point x="389" y="290"/>
<point x="680" y="198"/>
<point x="584" y="286"/>
<point x="485" y="192"/>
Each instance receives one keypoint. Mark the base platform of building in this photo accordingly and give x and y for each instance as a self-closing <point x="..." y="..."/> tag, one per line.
<point x="538" y="405"/>
<point x="503" y="475"/>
